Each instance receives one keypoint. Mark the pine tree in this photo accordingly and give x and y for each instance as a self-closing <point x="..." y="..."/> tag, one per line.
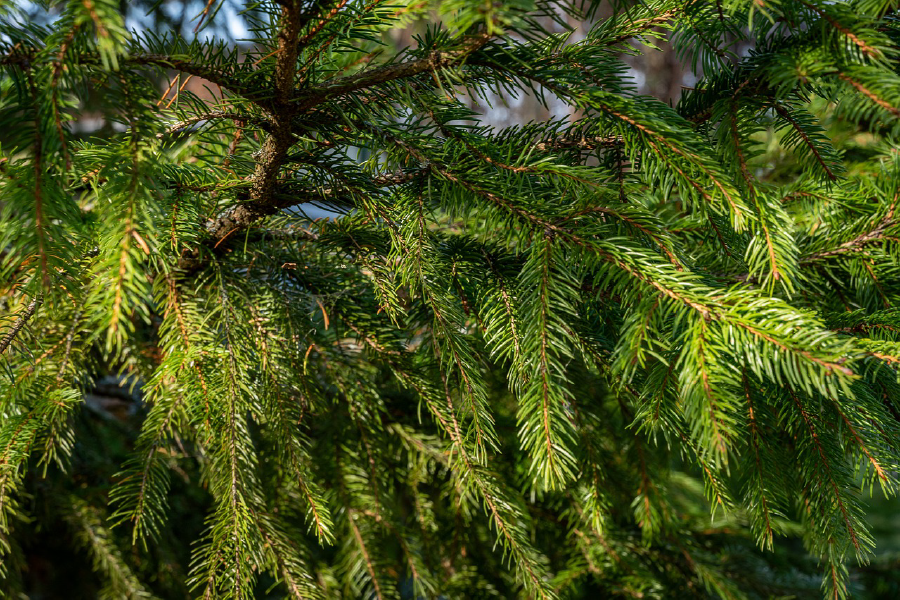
<point x="647" y="351"/>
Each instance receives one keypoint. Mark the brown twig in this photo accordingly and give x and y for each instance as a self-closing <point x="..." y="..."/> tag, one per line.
<point x="318" y="26"/>
<point x="857" y="243"/>
<point x="20" y="323"/>
<point x="216" y="114"/>
<point x="580" y="143"/>
<point x="200" y="70"/>
<point x="870" y="94"/>
<point x="345" y="85"/>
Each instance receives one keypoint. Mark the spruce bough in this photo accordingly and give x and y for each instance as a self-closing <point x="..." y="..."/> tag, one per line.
<point x="644" y="351"/>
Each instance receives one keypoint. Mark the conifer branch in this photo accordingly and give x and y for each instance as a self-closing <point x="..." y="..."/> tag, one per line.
<point x="637" y="27"/>
<point x="857" y="244"/>
<point x="276" y="145"/>
<point x="580" y="143"/>
<point x="868" y="93"/>
<point x="768" y="533"/>
<point x="315" y="29"/>
<point x="435" y="61"/>
<point x="784" y="114"/>
<point x="862" y="45"/>
<point x="555" y="295"/>
<point x="217" y="114"/>
<point x="200" y="70"/>
<point x="20" y="323"/>
<point x="285" y="195"/>
<point x="366" y="558"/>
<point x="823" y="459"/>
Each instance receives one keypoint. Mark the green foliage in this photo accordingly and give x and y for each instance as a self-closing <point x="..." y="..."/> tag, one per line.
<point x="642" y="350"/>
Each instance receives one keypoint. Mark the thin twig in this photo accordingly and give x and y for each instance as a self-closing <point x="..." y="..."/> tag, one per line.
<point x="216" y="114"/>
<point x="432" y="62"/>
<point x="20" y="323"/>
